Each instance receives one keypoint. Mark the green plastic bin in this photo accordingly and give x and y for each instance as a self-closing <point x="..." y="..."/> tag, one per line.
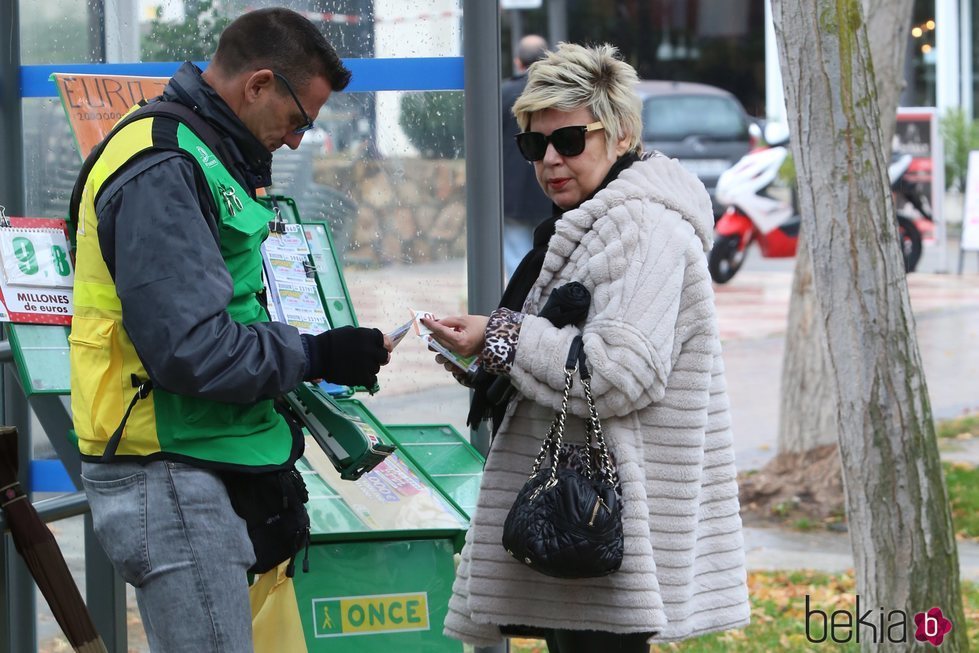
<point x="382" y="553"/>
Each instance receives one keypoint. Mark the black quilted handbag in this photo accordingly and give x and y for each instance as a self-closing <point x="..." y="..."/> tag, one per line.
<point x="566" y="523"/>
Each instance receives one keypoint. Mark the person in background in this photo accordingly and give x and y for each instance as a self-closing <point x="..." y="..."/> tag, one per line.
<point x="524" y="203"/>
<point x="634" y="230"/>
<point x="174" y="362"/>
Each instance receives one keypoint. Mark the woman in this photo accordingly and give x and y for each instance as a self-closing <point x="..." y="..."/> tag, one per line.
<point x="634" y="231"/>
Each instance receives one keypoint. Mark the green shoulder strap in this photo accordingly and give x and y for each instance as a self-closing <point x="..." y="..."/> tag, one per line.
<point x="156" y="107"/>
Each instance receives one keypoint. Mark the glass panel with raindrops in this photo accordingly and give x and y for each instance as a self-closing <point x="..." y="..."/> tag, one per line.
<point x="384" y="170"/>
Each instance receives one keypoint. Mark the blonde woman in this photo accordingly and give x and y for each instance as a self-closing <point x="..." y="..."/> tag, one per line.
<point x="634" y="231"/>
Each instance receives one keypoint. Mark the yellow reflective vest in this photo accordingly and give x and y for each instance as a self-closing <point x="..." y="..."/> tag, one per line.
<point x="105" y="368"/>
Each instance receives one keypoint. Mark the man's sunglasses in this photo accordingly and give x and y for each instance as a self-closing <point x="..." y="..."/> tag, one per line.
<point x="306" y="126"/>
<point x="568" y="141"/>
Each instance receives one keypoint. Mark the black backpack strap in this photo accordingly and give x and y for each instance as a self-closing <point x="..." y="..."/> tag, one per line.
<point x="194" y="121"/>
<point x="143" y="389"/>
<point x="157" y="107"/>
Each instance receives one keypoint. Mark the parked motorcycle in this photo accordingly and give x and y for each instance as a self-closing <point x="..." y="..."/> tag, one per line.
<point x="761" y="208"/>
<point x="909" y="200"/>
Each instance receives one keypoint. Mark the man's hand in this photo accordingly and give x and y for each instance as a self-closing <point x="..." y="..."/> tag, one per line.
<point x="463" y="334"/>
<point x="348" y="355"/>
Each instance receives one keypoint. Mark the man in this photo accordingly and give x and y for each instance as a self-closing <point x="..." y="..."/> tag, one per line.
<point x="174" y="363"/>
<point x="524" y="203"/>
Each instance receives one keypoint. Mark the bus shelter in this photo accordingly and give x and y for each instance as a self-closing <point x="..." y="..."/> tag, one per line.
<point x="397" y="564"/>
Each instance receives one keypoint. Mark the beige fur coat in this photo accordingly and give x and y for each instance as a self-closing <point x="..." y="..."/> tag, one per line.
<point x="652" y="342"/>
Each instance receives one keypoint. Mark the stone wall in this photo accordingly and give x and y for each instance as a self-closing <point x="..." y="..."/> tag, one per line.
<point x="407" y="210"/>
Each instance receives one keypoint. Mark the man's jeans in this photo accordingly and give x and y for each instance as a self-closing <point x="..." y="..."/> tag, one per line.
<point x="170" y="531"/>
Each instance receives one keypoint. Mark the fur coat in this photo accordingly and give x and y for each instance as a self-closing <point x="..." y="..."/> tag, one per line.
<point x="652" y="342"/>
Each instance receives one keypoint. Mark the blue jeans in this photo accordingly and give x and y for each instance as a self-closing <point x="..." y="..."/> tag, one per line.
<point x="170" y="532"/>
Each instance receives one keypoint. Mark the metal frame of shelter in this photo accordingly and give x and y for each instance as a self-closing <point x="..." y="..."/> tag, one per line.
<point x="477" y="72"/>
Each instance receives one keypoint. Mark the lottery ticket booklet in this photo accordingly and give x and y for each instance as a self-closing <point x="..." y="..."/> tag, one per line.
<point x="466" y="364"/>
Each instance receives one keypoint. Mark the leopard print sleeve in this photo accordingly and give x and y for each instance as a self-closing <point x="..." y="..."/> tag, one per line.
<point x="502" y="334"/>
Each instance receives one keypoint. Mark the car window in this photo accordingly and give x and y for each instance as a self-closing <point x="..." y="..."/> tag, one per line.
<point x="675" y="117"/>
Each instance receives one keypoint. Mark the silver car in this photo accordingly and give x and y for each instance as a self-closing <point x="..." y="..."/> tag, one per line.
<point x="703" y="126"/>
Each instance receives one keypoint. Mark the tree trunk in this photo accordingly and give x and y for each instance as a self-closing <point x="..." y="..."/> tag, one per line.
<point x="806" y="418"/>
<point x="888" y="26"/>
<point x="900" y="523"/>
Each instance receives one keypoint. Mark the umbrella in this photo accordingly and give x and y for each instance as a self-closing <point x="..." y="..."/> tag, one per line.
<point x="37" y="546"/>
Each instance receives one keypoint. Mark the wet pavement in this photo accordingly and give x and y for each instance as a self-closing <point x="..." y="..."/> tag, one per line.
<point x="946" y="310"/>
<point x="753" y="309"/>
<point x="770" y="549"/>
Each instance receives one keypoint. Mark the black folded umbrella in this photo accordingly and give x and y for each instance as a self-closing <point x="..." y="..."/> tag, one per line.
<point x="36" y="545"/>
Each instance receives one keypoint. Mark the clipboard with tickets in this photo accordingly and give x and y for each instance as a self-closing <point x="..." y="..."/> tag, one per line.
<point x="297" y="254"/>
<point x="306" y="289"/>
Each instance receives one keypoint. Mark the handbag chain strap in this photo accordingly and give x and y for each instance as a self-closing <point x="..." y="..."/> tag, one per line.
<point x="593" y="426"/>
<point x="555" y="434"/>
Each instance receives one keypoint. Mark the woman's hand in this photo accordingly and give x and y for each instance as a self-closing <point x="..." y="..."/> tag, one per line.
<point x="453" y="369"/>
<point x="463" y="334"/>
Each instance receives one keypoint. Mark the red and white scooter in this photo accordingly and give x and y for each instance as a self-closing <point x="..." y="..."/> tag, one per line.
<point x="761" y="208"/>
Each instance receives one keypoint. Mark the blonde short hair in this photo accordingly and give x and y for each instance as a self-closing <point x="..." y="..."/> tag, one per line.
<point x="574" y="76"/>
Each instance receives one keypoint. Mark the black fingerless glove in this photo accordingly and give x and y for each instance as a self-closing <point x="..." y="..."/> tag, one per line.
<point x="346" y="356"/>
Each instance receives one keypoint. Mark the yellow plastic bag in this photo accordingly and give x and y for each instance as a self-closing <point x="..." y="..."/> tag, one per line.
<point x="276" y="627"/>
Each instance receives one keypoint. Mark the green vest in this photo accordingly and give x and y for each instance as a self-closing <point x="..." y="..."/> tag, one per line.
<point x="104" y="365"/>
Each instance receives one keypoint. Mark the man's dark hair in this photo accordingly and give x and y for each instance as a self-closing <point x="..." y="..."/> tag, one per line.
<point x="283" y="41"/>
<point x="531" y="51"/>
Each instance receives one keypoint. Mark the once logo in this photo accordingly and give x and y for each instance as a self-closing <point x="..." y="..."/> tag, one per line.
<point x="207" y="159"/>
<point x="371" y="614"/>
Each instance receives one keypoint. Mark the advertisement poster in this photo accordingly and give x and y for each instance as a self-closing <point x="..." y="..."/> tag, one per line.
<point x="970" y="216"/>
<point x="37" y="274"/>
<point x="94" y="103"/>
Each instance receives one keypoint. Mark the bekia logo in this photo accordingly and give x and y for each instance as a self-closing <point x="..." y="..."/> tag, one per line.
<point x="877" y="626"/>
<point x="932" y="626"/>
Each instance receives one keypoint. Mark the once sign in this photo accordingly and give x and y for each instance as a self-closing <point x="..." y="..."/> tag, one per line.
<point x="369" y="615"/>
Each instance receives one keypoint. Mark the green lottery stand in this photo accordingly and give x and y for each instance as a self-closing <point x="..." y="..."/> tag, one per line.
<point x="381" y="564"/>
<point x="381" y="559"/>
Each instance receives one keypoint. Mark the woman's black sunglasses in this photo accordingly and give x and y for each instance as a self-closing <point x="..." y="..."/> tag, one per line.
<point x="568" y="141"/>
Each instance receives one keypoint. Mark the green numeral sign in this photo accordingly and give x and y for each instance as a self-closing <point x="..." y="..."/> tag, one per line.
<point x="60" y="257"/>
<point x="27" y="257"/>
